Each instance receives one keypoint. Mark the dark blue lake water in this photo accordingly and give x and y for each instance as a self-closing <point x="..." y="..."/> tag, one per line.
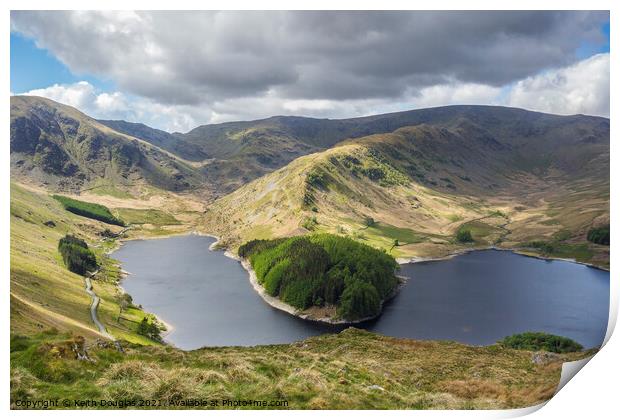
<point x="477" y="298"/>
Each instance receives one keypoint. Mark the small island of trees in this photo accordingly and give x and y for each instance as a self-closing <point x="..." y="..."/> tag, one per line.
<point x="324" y="269"/>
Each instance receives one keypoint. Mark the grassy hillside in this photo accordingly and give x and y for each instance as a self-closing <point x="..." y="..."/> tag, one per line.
<point x="170" y="142"/>
<point x="44" y="293"/>
<point x="58" y="146"/>
<point x="420" y="185"/>
<point x="314" y="193"/>
<point x="147" y="216"/>
<point x="353" y="369"/>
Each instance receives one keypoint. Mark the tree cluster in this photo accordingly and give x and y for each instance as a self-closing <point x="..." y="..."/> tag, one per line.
<point x="535" y="341"/>
<point x="599" y="235"/>
<point x="76" y="255"/>
<point x="324" y="269"/>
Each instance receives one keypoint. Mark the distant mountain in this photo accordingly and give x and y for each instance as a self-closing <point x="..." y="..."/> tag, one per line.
<point x="235" y="153"/>
<point x="173" y="143"/>
<point x="58" y="146"/>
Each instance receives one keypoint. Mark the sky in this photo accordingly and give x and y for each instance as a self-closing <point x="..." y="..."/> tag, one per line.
<point x="177" y="70"/>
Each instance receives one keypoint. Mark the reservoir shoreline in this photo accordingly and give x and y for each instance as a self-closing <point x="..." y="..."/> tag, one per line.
<point x="399" y="260"/>
<point x="211" y="305"/>
<point x="415" y="260"/>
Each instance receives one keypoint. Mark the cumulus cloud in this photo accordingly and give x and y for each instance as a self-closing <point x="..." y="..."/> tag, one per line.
<point x="189" y="58"/>
<point x="457" y="94"/>
<point x="117" y="105"/>
<point x="79" y="95"/>
<point x="582" y="88"/>
<point x="176" y="70"/>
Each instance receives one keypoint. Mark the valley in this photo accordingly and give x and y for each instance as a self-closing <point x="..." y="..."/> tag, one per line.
<point x="406" y="184"/>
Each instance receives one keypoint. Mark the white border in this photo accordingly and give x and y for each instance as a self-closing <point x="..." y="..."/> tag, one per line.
<point x="592" y="394"/>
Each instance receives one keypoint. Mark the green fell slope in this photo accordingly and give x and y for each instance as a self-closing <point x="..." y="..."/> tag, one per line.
<point x="410" y="192"/>
<point x="45" y="294"/>
<point x="57" y="146"/>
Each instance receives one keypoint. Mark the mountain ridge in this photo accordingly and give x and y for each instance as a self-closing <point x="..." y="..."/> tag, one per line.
<point x="238" y="152"/>
<point x="59" y="146"/>
<point x="233" y="123"/>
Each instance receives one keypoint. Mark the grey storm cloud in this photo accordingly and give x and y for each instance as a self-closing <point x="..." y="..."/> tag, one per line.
<point x="191" y="58"/>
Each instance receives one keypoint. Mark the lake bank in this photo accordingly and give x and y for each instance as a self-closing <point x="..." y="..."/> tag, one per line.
<point x="475" y="298"/>
<point x="518" y="251"/>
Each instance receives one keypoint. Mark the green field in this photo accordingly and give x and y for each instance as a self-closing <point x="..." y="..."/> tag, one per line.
<point x="480" y="231"/>
<point x="403" y="235"/>
<point x="554" y="249"/>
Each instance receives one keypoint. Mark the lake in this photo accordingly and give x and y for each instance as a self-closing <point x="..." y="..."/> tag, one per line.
<point x="476" y="298"/>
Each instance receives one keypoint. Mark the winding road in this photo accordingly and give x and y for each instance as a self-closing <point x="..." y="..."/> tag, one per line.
<point x="95" y="300"/>
<point x="94" y="305"/>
